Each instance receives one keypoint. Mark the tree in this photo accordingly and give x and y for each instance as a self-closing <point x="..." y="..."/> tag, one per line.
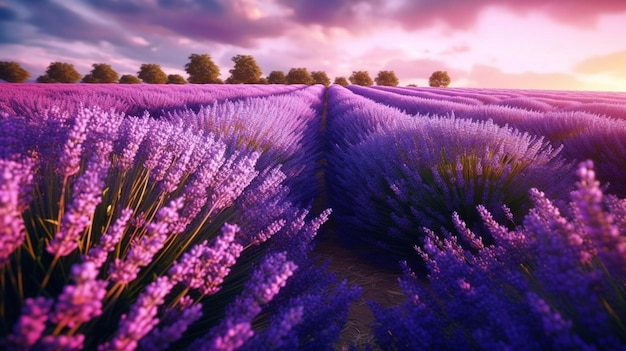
<point x="129" y="79"/>
<point x="263" y="80"/>
<point x="387" y="78"/>
<point x="45" y="79"/>
<point x="412" y="85"/>
<point x="361" y="78"/>
<point x="320" y="77"/>
<point x="152" y="73"/>
<point x="299" y="76"/>
<point x="101" y="73"/>
<point x="176" y="79"/>
<point x="277" y="77"/>
<point x="60" y="72"/>
<point x="439" y="79"/>
<point x="12" y="72"/>
<point x="341" y="81"/>
<point x="246" y="71"/>
<point x="202" y="70"/>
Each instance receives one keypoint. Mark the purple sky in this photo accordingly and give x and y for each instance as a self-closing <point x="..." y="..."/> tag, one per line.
<point x="542" y="44"/>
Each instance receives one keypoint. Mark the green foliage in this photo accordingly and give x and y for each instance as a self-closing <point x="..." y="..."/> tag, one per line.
<point x="152" y="73"/>
<point x="387" y="78"/>
<point x="45" y="79"/>
<point x="129" y="79"/>
<point x="277" y="77"/>
<point x="176" y="79"/>
<point x="202" y="70"/>
<point x="341" y="81"/>
<point x="361" y="78"/>
<point x="12" y="72"/>
<point x="101" y="73"/>
<point x="320" y="77"/>
<point x="412" y="85"/>
<point x="246" y="71"/>
<point x="439" y="79"/>
<point x="60" y="72"/>
<point x="299" y="76"/>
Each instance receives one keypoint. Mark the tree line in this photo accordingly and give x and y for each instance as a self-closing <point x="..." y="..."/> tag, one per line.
<point x="202" y="70"/>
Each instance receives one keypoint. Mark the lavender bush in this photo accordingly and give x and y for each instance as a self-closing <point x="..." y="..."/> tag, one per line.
<point x="556" y="282"/>
<point x="288" y="133"/>
<point x="31" y="99"/>
<point x="416" y="171"/>
<point x="120" y="235"/>
<point x="589" y="125"/>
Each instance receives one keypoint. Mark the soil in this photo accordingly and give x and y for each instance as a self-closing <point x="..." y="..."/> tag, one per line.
<point x="379" y="284"/>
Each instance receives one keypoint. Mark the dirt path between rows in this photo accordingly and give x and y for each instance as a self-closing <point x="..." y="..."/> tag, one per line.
<point x="377" y="283"/>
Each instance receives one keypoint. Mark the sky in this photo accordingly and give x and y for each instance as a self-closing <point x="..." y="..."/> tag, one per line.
<point x="530" y="44"/>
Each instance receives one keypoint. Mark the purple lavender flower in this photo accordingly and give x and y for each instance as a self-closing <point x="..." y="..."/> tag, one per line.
<point x="141" y="318"/>
<point x="108" y="240"/>
<point x="15" y="183"/>
<point x="143" y="250"/>
<point x="203" y="267"/>
<point x="82" y="301"/>
<point x="234" y="337"/>
<point x="174" y="323"/>
<point x="265" y="283"/>
<point x="281" y="325"/>
<point x="31" y="324"/>
<point x="62" y="342"/>
<point x="132" y="132"/>
<point x="196" y="189"/>
<point x="231" y="183"/>
<point x="598" y="226"/>
<point x="269" y="278"/>
<point x="153" y="147"/>
<point x="101" y="134"/>
<point x="69" y="161"/>
<point x="86" y="195"/>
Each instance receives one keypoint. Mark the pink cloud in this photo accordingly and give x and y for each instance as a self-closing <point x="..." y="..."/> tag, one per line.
<point x="612" y="64"/>
<point x="418" y="68"/>
<point x="484" y="76"/>
<point x="464" y="14"/>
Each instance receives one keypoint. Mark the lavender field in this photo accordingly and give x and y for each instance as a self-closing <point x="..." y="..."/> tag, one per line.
<point x="185" y="217"/>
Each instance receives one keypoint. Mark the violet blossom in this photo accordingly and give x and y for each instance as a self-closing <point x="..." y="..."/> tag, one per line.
<point x="124" y="270"/>
<point x="204" y="268"/>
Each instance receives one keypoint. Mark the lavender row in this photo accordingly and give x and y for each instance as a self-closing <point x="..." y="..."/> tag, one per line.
<point x="158" y="234"/>
<point x="501" y="94"/>
<point x="390" y="174"/>
<point x="29" y="99"/>
<point x="582" y="134"/>
<point x="548" y="277"/>
<point x="557" y="281"/>
<point x="284" y="128"/>
<point x="460" y="102"/>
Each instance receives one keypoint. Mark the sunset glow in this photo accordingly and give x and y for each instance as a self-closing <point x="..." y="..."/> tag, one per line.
<point x="539" y="44"/>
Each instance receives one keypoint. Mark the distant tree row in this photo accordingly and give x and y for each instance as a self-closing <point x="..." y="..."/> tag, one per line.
<point x="202" y="70"/>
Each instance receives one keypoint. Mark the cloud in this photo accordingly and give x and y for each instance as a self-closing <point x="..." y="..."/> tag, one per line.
<point x="417" y="68"/>
<point x="6" y="13"/>
<point x="456" y="50"/>
<point x="239" y="23"/>
<point x="338" y="13"/>
<point x="464" y="14"/>
<point x="612" y="64"/>
<point x="57" y="19"/>
<point x="485" y="76"/>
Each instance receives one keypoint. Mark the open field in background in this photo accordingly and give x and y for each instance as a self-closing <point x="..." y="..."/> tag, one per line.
<point x="198" y="215"/>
